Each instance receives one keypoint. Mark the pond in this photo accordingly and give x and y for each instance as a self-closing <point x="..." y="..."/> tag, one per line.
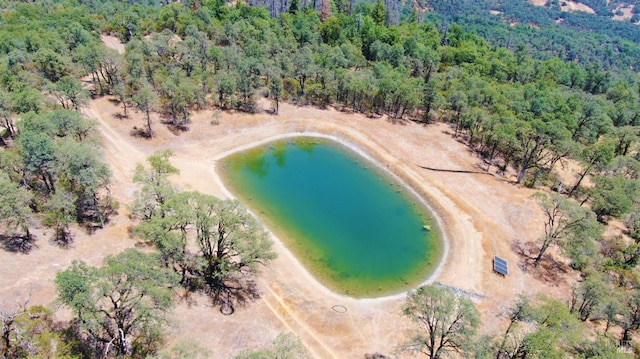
<point x="358" y="231"/>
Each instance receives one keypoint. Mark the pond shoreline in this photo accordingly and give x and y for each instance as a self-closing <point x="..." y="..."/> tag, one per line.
<point x="377" y="159"/>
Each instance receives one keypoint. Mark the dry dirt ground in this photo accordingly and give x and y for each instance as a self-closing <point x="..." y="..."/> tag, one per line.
<point x="481" y="215"/>
<point x="627" y="12"/>
<point x="568" y="5"/>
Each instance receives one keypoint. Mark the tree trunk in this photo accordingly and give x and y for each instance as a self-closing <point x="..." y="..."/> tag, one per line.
<point x="303" y="79"/>
<point x="582" y="175"/>
<point x="149" y="131"/>
<point x="521" y="174"/>
<point x="491" y="154"/>
<point x="9" y="125"/>
<point x="6" y="336"/>
<point x="625" y="336"/>
<point x="543" y="249"/>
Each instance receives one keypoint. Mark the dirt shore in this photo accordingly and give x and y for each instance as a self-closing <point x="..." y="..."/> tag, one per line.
<point x="481" y="214"/>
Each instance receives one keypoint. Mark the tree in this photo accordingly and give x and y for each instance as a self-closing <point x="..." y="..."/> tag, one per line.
<point x="630" y="318"/>
<point x="231" y="241"/>
<point x="120" y="90"/>
<point x="593" y="156"/>
<point x="535" y="144"/>
<point x="27" y="100"/>
<point x="379" y="12"/>
<point x="226" y="87"/>
<point x="304" y="66"/>
<point x="511" y="341"/>
<point x="52" y="65"/>
<point x="557" y="332"/>
<point x="6" y="113"/>
<point x="325" y="10"/>
<point x="88" y="57"/>
<point x="31" y="332"/>
<point x="590" y="122"/>
<point x="156" y="189"/>
<point x="146" y="101"/>
<point x="604" y="346"/>
<point x="447" y="321"/>
<point x="14" y="206"/>
<point x="458" y="105"/>
<point x="169" y="234"/>
<point x="178" y="94"/>
<point x="625" y="138"/>
<point x="564" y="221"/>
<point x="69" y="92"/>
<point x="248" y="71"/>
<point x="613" y="195"/>
<point x="120" y="306"/>
<point x="431" y="100"/>
<point x="60" y="211"/>
<point x="275" y="91"/>
<point x="543" y="328"/>
<point x="294" y="6"/>
<point x="588" y="295"/>
<point x="110" y="66"/>
<point x="38" y="156"/>
<point x="83" y="174"/>
<point x="70" y="124"/>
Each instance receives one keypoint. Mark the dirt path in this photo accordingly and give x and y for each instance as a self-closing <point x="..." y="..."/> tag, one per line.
<point x="112" y="42"/>
<point x="481" y="216"/>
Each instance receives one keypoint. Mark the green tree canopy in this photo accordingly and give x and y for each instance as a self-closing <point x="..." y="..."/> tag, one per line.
<point x="122" y="305"/>
<point x="15" y="212"/>
<point x="447" y="322"/>
<point x="565" y="223"/>
<point x="613" y="195"/>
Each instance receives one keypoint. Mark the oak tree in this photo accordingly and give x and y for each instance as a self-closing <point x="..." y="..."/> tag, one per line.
<point x="121" y="306"/>
<point x="564" y="221"/>
<point x="446" y="321"/>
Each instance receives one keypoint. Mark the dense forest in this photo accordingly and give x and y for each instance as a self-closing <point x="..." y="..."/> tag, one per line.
<point x="527" y="98"/>
<point x="546" y="31"/>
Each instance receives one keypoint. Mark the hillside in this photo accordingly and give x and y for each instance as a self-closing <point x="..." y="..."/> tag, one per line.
<point x="548" y="29"/>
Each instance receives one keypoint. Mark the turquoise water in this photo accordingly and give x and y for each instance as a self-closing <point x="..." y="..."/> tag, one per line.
<point x="356" y="230"/>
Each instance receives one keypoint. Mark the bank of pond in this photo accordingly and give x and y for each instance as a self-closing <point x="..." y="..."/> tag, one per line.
<point x="357" y="230"/>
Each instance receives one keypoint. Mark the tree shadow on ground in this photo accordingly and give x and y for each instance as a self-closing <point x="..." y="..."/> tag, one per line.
<point x="234" y="293"/>
<point x="548" y="268"/>
<point x="93" y="219"/>
<point x="17" y="243"/>
<point x="227" y="295"/>
<point x="62" y="238"/>
<point x="139" y="133"/>
<point x="174" y="126"/>
<point x="398" y="121"/>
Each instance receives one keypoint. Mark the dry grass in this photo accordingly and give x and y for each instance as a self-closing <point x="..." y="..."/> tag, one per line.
<point x="481" y="216"/>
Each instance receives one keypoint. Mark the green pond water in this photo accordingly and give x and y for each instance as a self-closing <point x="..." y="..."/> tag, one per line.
<point x="353" y="227"/>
